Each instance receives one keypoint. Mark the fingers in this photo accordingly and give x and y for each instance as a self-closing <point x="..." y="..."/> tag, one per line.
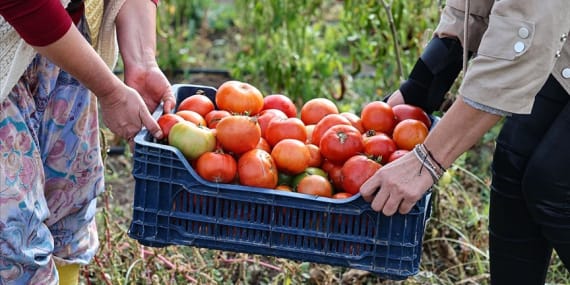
<point x="149" y="122"/>
<point x="370" y="187"/>
<point x="169" y="101"/>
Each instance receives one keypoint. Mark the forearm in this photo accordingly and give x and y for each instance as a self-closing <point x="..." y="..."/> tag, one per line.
<point x="71" y="49"/>
<point x="136" y="33"/>
<point x="459" y="129"/>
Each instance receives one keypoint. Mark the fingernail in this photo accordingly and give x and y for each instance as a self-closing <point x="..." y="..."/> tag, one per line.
<point x="158" y="134"/>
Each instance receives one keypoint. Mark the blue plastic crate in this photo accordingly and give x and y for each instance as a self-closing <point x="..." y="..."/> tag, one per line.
<point x="173" y="205"/>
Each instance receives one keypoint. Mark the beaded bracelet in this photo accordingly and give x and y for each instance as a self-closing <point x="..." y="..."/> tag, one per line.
<point x="428" y="162"/>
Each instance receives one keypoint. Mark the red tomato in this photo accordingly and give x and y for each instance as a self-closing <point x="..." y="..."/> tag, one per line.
<point x="325" y="124"/>
<point x="166" y="121"/>
<point x="280" y="129"/>
<point x="407" y="111"/>
<point x="257" y="168"/>
<point x="314" y="184"/>
<point x="291" y="156"/>
<point x="333" y="171"/>
<point x="342" y="195"/>
<point x="379" y="146"/>
<point x="213" y="117"/>
<point x="397" y="154"/>
<point x="198" y="103"/>
<point x="408" y="133"/>
<point x="341" y="142"/>
<point x="355" y="120"/>
<point x="192" y="116"/>
<point x="316" y="109"/>
<point x="216" y="167"/>
<point x="280" y="102"/>
<point x="356" y="170"/>
<point x="238" y="133"/>
<point x="316" y="157"/>
<point x="239" y="98"/>
<point x="268" y="115"/>
<point x="378" y="116"/>
<point x="262" y="144"/>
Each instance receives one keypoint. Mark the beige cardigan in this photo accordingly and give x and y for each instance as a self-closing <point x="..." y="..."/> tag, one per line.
<point x="16" y="55"/>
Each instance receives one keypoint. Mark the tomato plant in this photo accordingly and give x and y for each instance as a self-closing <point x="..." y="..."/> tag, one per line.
<point x="238" y="133"/>
<point x="239" y="98"/>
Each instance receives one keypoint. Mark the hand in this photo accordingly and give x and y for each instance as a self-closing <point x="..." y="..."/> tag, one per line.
<point x="397" y="186"/>
<point x="396" y="98"/>
<point x="124" y="112"/>
<point x="152" y="85"/>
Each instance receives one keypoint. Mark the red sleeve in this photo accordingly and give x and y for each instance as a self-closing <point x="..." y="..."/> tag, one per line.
<point x="39" y="22"/>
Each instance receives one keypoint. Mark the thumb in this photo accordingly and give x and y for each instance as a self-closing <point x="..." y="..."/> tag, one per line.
<point x="152" y="125"/>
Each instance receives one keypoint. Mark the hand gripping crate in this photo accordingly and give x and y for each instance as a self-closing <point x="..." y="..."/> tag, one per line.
<point x="173" y="205"/>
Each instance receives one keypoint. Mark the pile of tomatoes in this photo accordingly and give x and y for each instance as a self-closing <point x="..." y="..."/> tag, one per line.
<point x="265" y="141"/>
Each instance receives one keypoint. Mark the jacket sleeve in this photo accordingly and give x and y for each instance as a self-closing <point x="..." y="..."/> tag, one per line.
<point x="452" y="21"/>
<point x="516" y="53"/>
<point x="39" y="23"/>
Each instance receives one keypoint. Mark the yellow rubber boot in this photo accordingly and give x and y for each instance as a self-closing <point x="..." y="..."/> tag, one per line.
<point x="68" y="274"/>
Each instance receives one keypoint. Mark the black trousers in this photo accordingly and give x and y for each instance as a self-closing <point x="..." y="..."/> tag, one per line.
<point x="530" y="191"/>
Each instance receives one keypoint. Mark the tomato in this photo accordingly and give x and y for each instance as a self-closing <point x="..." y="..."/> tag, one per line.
<point x="198" y="103"/>
<point x="268" y="115"/>
<point x="262" y="144"/>
<point x="309" y="129"/>
<point x="341" y="142"/>
<point x="213" y="117"/>
<point x="380" y="146"/>
<point x="378" y="116"/>
<point x="308" y="171"/>
<point x="397" y="154"/>
<point x="355" y="120"/>
<point x="356" y="170"/>
<point x="407" y="111"/>
<point x="238" y="133"/>
<point x="256" y="168"/>
<point x="333" y="171"/>
<point x="280" y="129"/>
<point x="166" y="121"/>
<point x="191" y="140"/>
<point x="284" y="178"/>
<point x="316" y="109"/>
<point x="408" y="133"/>
<point x="284" y="188"/>
<point x="316" y="158"/>
<point x="291" y="156"/>
<point x="280" y="102"/>
<point x="217" y="167"/>
<point x="325" y="124"/>
<point x="342" y="195"/>
<point x="192" y="116"/>
<point x="239" y="98"/>
<point x="315" y="185"/>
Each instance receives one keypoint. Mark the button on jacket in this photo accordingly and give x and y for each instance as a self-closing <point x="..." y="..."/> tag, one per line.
<point x="518" y="44"/>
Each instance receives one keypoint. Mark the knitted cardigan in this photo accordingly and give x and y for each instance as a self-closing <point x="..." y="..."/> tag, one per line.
<point x="16" y="54"/>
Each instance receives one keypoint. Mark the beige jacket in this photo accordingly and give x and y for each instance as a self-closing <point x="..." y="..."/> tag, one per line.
<point x="518" y="44"/>
<point x="16" y="55"/>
